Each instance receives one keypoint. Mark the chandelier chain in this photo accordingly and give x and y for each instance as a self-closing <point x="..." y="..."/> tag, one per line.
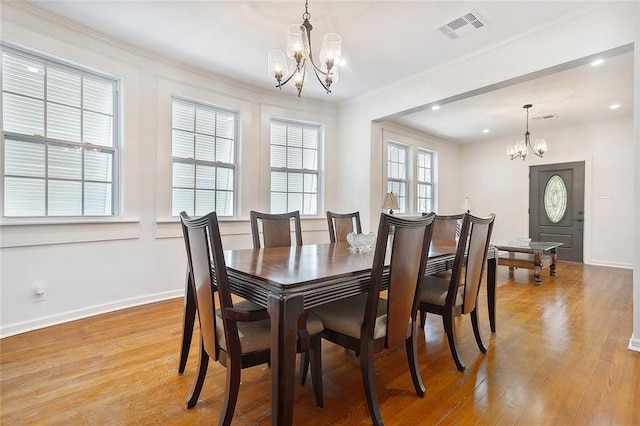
<point x="306" y="15"/>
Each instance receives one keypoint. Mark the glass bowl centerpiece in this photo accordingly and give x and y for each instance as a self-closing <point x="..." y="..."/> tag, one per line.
<point x="360" y="242"/>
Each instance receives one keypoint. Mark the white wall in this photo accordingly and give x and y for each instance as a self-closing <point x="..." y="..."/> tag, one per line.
<point x="634" y="342"/>
<point x="496" y="184"/>
<point x="90" y="267"/>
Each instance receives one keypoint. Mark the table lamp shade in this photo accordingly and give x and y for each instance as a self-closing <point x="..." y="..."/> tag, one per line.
<point x="390" y="202"/>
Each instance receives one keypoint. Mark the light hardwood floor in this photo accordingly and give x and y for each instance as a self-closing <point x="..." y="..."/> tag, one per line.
<point x="559" y="356"/>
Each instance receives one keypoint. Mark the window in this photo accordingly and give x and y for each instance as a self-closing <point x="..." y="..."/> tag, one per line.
<point x="397" y="175"/>
<point x="424" y="181"/>
<point x="60" y="140"/>
<point x="295" y="152"/>
<point x="204" y="159"/>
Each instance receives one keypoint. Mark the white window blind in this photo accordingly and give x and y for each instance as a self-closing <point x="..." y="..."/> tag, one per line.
<point x="295" y="153"/>
<point x="424" y="181"/>
<point x="59" y="138"/>
<point x="397" y="174"/>
<point x="204" y="159"/>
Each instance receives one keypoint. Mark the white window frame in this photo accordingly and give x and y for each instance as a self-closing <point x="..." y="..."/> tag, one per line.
<point x="191" y="160"/>
<point x="428" y="182"/>
<point x="395" y="182"/>
<point x="48" y="142"/>
<point x="317" y="172"/>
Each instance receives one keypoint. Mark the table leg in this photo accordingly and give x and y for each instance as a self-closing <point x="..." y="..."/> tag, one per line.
<point x="189" y="318"/>
<point x="552" y="268"/>
<point x="284" y="313"/>
<point x="537" y="267"/>
<point x="491" y="290"/>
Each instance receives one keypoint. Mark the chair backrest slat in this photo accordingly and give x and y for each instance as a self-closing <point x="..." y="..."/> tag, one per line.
<point x="276" y="229"/>
<point x="409" y="254"/>
<point x="197" y="245"/>
<point x="473" y="244"/>
<point x="447" y="227"/>
<point x="341" y="224"/>
<point x="480" y="234"/>
<point x="209" y="273"/>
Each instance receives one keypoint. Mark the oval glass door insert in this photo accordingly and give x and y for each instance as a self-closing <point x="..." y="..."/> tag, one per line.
<point x="555" y="199"/>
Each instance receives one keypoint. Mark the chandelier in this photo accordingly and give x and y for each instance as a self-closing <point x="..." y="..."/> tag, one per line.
<point x="299" y="50"/>
<point x="520" y="149"/>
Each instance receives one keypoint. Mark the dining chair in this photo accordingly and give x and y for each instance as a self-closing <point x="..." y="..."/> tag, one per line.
<point x="238" y="333"/>
<point x="341" y="224"/>
<point x="368" y="323"/>
<point x="276" y="229"/>
<point x="458" y="295"/>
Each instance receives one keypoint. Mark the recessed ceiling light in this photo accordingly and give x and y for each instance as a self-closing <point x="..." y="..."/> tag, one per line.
<point x="615" y="106"/>
<point x="485" y="131"/>
<point x="435" y="107"/>
<point x="597" y="62"/>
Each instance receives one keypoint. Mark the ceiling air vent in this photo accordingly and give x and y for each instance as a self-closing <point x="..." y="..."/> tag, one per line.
<point x="543" y="117"/>
<point x="463" y="25"/>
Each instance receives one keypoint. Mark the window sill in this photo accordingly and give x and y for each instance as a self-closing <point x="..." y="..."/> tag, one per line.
<point x="170" y="228"/>
<point x="34" y="232"/>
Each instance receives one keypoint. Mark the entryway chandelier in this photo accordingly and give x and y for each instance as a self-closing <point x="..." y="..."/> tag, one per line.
<point x="299" y="49"/>
<point x="521" y="148"/>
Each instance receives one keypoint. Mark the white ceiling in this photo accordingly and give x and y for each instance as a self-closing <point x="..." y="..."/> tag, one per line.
<point x="383" y="42"/>
<point x="575" y="96"/>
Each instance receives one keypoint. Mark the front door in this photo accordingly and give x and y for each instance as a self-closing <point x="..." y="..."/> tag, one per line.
<point x="556" y="207"/>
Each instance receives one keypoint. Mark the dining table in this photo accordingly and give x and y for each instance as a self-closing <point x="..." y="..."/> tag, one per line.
<point x="289" y="280"/>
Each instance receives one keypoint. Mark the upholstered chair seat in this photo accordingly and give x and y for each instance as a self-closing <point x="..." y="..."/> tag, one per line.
<point x="435" y="291"/>
<point x="345" y="316"/>
<point x="256" y="336"/>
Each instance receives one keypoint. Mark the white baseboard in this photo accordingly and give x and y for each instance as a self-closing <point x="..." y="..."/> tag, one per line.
<point x="35" y="324"/>
<point x="611" y="264"/>
<point x="634" y="343"/>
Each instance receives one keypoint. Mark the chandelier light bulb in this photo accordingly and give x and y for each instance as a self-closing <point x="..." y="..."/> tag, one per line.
<point x="297" y="43"/>
<point x="540" y="147"/>
<point x="331" y="50"/>
<point x="278" y="65"/>
<point x="298" y="79"/>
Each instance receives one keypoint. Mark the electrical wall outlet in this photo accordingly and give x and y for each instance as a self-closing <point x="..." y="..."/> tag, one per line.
<point x="39" y="293"/>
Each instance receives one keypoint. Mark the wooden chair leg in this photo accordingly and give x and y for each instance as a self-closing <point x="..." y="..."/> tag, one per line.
<point x="304" y="366"/>
<point x="234" y="366"/>
<point x="188" y="321"/>
<point x="476" y="331"/>
<point x="449" y="329"/>
<point x="423" y="319"/>
<point x="412" y="358"/>
<point x="369" y="381"/>
<point x="315" y="353"/>
<point x="203" y="363"/>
